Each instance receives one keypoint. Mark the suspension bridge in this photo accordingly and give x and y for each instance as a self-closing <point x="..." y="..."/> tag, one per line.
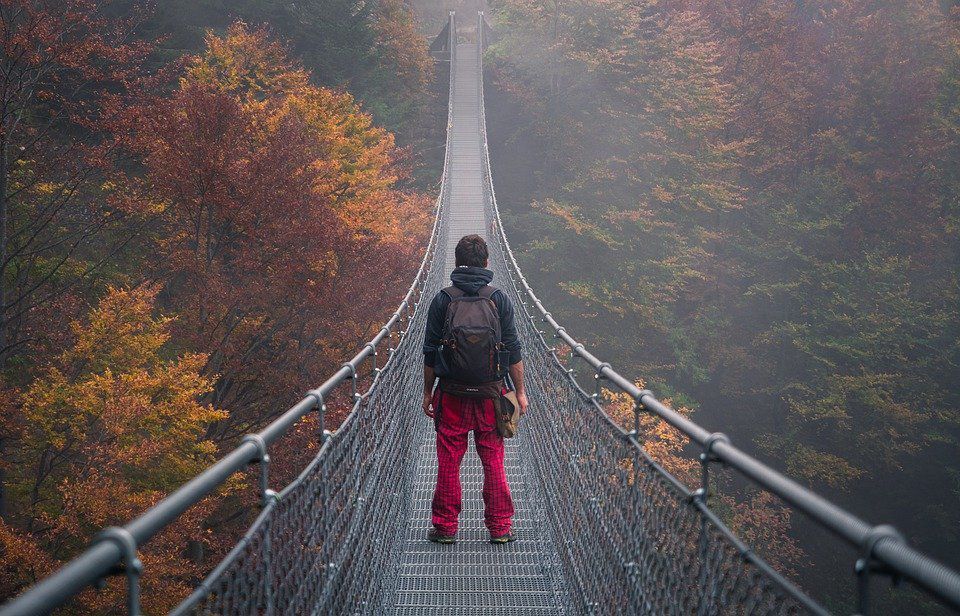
<point x="602" y="527"/>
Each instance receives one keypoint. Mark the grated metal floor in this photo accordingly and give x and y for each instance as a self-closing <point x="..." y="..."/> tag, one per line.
<point x="474" y="576"/>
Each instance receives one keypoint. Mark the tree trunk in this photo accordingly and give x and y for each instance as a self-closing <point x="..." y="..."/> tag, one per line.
<point x="3" y="302"/>
<point x="3" y="479"/>
<point x="4" y="334"/>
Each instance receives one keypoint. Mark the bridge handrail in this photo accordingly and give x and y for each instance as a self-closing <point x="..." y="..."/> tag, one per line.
<point x="112" y="548"/>
<point x="879" y="544"/>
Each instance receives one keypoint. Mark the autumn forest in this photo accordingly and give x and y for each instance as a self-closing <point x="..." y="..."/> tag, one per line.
<point x="205" y="206"/>
<point x="753" y="205"/>
<point x="202" y="211"/>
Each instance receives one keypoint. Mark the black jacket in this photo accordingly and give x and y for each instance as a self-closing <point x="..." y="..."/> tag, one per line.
<point x="470" y="280"/>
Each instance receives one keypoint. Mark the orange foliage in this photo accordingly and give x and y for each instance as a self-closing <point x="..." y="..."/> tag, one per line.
<point x="22" y="560"/>
<point x="404" y="55"/>
<point x="660" y="440"/>
<point x="246" y="64"/>
<point x="276" y="234"/>
<point x="759" y="519"/>
<point x="281" y="220"/>
<point x="111" y="426"/>
<point x="763" y="523"/>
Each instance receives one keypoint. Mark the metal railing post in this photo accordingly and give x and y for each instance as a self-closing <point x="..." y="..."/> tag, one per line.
<point x="386" y="334"/>
<point x="262" y="459"/>
<point x="635" y="573"/>
<point x="599" y="378"/>
<point x="390" y="349"/>
<point x="321" y="408"/>
<point x="266" y="496"/>
<point x="354" y="396"/>
<point x="867" y="564"/>
<point x="373" y="356"/>
<point x="638" y="406"/>
<point x="702" y="495"/>
<point x="130" y="563"/>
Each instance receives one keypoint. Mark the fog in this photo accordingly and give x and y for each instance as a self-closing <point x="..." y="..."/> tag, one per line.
<point x="750" y="206"/>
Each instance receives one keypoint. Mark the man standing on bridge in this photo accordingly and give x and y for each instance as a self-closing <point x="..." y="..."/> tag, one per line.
<point x="471" y="344"/>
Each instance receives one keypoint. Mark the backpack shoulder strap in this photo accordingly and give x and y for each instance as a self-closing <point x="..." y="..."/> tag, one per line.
<point x="453" y="292"/>
<point x="487" y="291"/>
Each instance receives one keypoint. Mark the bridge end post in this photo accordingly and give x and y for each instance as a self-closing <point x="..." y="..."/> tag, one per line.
<point x="451" y="19"/>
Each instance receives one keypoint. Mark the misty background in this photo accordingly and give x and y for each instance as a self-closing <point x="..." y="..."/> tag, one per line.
<point x="749" y="205"/>
<point x="752" y="206"/>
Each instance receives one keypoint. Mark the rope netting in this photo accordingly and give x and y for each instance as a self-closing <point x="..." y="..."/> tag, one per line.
<point x="322" y="545"/>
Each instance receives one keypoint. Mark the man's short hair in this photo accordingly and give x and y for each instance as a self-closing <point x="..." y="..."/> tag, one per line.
<point x="471" y="251"/>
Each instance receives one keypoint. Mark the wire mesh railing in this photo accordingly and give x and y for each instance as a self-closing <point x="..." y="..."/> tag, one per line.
<point x="316" y="545"/>
<point x="637" y="540"/>
<point x="321" y="547"/>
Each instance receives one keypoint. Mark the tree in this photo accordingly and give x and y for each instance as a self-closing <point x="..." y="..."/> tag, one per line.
<point x="113" y="425"/>
<point x="371" y="48"/>
<point x="758" y="518"/>
<point x="765" y="194"/>
<point x="278" y="195"/>
<point x="649" y="191"/>
<point x="269" y="226"/>
<point x="67" y="68"/>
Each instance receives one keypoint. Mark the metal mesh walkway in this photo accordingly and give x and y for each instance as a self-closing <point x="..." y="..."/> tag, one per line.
<point x="473" y="576"/>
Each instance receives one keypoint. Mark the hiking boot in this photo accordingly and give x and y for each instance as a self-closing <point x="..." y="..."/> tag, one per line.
<point x="504" y="538"/>
<point x="437" y="537"/>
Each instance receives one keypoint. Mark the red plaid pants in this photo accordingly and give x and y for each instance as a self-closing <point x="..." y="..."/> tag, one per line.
<point x="458" y="416"/>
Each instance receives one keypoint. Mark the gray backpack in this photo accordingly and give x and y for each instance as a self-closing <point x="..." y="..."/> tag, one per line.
<point x="471" y="349"/>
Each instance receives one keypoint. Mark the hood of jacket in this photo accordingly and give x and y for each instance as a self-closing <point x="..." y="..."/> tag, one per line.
<point x="471" y="279"/>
